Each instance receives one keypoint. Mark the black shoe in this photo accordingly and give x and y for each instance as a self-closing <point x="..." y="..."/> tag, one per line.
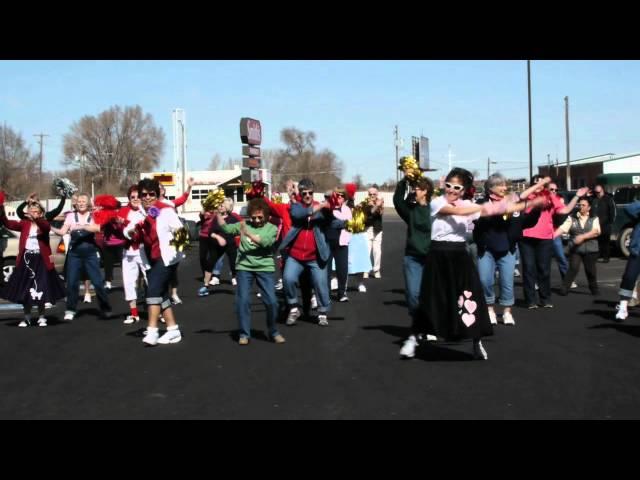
<point x="533" y="306"/>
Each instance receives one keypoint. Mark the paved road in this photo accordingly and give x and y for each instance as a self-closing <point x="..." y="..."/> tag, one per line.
<point x="571" y="362"/>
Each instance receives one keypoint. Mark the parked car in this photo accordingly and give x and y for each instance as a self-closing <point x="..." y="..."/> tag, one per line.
<point x="11" y="252"/>
<point x="623" y="224"/>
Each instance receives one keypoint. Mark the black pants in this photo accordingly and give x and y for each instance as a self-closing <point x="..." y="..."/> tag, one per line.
<point x="232" y="252"/>
<point x="110" y="255"/>
<point x="210" y="252"/>
<point x="535" y="257"/>
<point x="589" y="262"/>
<point x="341" y="254"/>
<point x="604" y="241"/>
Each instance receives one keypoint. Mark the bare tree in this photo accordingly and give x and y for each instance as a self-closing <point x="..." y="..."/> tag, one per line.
<point x="232" y="162"/>
<point x="357" y="179"/>
<point x="113" y="147"/>
<point x="300" y="159"/>
<point x="17" y="165"/>
<point x="216" y="162"/>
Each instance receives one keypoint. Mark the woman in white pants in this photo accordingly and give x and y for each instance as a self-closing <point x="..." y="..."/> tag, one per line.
<point x="134" y="261"/>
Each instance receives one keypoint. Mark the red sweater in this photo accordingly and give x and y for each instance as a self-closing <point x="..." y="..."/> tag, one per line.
<point x="23" y="226"/>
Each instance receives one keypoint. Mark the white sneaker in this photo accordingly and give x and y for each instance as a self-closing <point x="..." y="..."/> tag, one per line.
<point x="507" y="318"/>
<point x="536" y="286"/>
<point x="131" y="319"/>
<point x="214" y="281"/>
<point x="516" y="272"/>
<point x="322" y="320"/>
<point x="294" y="315"/>
<point x="234" y="282"/>
<point x="621" y="314"/>
<point x="24" y="323"/>
<point x="279" y="285"/>
<point x="365" y="275"/>
<point x="151" y="338"/>
<point x="431" y="338"/>
<point x="334" y="284"/>
<point x="573" y="285"/>
<point x="362" y="288"/>
<point x="176" y="300"/>
<point x="170" y="336"/>
<point x="479" y="353"/>
<point x="408" y="349"/>
<point x="377" y="275"/>
<point x="344" y="298"/>
<point x="314" y="302"/>
<point x="48" y="305"/>
<point x="68" y="315"/>
<point x="107" y="285"/>
<point x="42" y="322"/>
<point x="492" y="317"/>
<point x="87" y="298"/>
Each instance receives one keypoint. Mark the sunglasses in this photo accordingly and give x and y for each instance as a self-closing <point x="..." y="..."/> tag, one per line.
<point x="147" y="194"/>
<point x="457" y="188"/>
<point x="309" y="193"/>
<point x="553" y="189"/>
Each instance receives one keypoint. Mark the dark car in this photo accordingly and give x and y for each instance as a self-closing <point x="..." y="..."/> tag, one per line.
<point x="623" y="224"/>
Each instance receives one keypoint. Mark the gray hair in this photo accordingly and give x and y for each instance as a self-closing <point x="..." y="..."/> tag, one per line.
<point x="228" y="201"/>
<point x="494" y="180"/>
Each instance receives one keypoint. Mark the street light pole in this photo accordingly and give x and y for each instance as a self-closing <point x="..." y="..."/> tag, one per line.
<point x="530" y="136"/>
<point x="566" y="125"/>
<point x="397" y="157"/>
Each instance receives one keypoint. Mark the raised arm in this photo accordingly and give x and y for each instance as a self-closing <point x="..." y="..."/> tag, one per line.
<point x="572" y="204"/>
<point x="56" y="211"/>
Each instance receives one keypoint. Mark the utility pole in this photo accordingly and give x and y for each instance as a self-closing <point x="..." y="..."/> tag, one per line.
<point x="549" y="164"/>
<point x="489" y="163"/>
<point x="530" y="136"/>
<point x="566" y="126"/>
<point x="556" y="166"/>
<point x="41" y="135"/>
<point x="397" y="142"/>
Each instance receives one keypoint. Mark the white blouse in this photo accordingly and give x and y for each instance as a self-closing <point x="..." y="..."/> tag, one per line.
<point x="451" y="228"/>
<point x="32" y="239"/>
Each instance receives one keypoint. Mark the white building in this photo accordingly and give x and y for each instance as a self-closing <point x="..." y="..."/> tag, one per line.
<point x="205" y="181"/>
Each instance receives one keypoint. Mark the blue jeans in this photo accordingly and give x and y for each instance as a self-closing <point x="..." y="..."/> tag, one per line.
<point x="558" y="254"/>
<point x="535" y="255"/>
<point x="413" y="267"/>
<point x="85" y="256"/>
<point x="292" y="270"/>
<point x="506" y="264"/>
<point x="265" y="281"/>
<point x="217" y="269"/>
<point x="630" y="277"/>
<point x="158" y="282"/>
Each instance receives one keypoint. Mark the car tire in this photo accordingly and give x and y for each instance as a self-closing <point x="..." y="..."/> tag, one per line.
<point x="624" y="239"/>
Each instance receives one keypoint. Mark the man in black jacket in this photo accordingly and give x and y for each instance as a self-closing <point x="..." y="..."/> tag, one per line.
<point x="605" y="209"/>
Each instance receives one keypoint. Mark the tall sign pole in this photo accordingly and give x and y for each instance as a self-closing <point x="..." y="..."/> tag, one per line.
<point x="251" y="137"/>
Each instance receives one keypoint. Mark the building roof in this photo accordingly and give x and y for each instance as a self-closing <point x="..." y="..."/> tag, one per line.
<point x="205" y="177"/>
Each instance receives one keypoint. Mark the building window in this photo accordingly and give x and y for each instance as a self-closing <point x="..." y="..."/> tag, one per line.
<point x="240" y="194"/>
<point x="199" y="194"/>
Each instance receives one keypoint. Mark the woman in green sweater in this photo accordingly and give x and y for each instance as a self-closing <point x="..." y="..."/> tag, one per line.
<point x="255" y="261"/>
<point x="416" y="213"/>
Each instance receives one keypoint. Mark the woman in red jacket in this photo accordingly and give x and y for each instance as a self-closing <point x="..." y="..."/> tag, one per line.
<point x="34" y="281"/>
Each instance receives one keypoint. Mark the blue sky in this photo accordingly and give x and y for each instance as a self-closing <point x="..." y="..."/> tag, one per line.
<point x="477" y="107"/>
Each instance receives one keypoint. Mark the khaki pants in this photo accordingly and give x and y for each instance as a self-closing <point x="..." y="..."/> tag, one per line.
<point x="374" y="242"/>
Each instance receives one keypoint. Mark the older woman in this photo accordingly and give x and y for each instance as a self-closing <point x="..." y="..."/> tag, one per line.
<point x="34" y="281"/>
<point x="584" y="230"/>
<point x="497" y="239"/>
<point x="82" y="254"/>
<point x="536" y="246"/>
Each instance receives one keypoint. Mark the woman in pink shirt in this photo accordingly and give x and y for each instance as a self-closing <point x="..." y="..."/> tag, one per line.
<point x="536" y="245"/>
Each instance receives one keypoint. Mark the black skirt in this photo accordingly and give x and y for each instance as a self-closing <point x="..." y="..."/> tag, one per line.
<point x="452" y="304"/>
<point x="31" y="283"/>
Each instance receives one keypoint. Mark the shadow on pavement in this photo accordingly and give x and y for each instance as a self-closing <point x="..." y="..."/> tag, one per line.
<point x="633" y="330"/>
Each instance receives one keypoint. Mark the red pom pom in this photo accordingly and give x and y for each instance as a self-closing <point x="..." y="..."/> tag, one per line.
<point x="350" y="188"/>
<point x="108" y="202"/>
<point x="101" y="217"/>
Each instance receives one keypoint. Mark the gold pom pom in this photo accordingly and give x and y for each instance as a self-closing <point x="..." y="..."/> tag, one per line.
<point x="180" y="239"/>
<point x="214" y="199"/>
<point x="356" y="224"/>
<point x="410" y="168"/>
